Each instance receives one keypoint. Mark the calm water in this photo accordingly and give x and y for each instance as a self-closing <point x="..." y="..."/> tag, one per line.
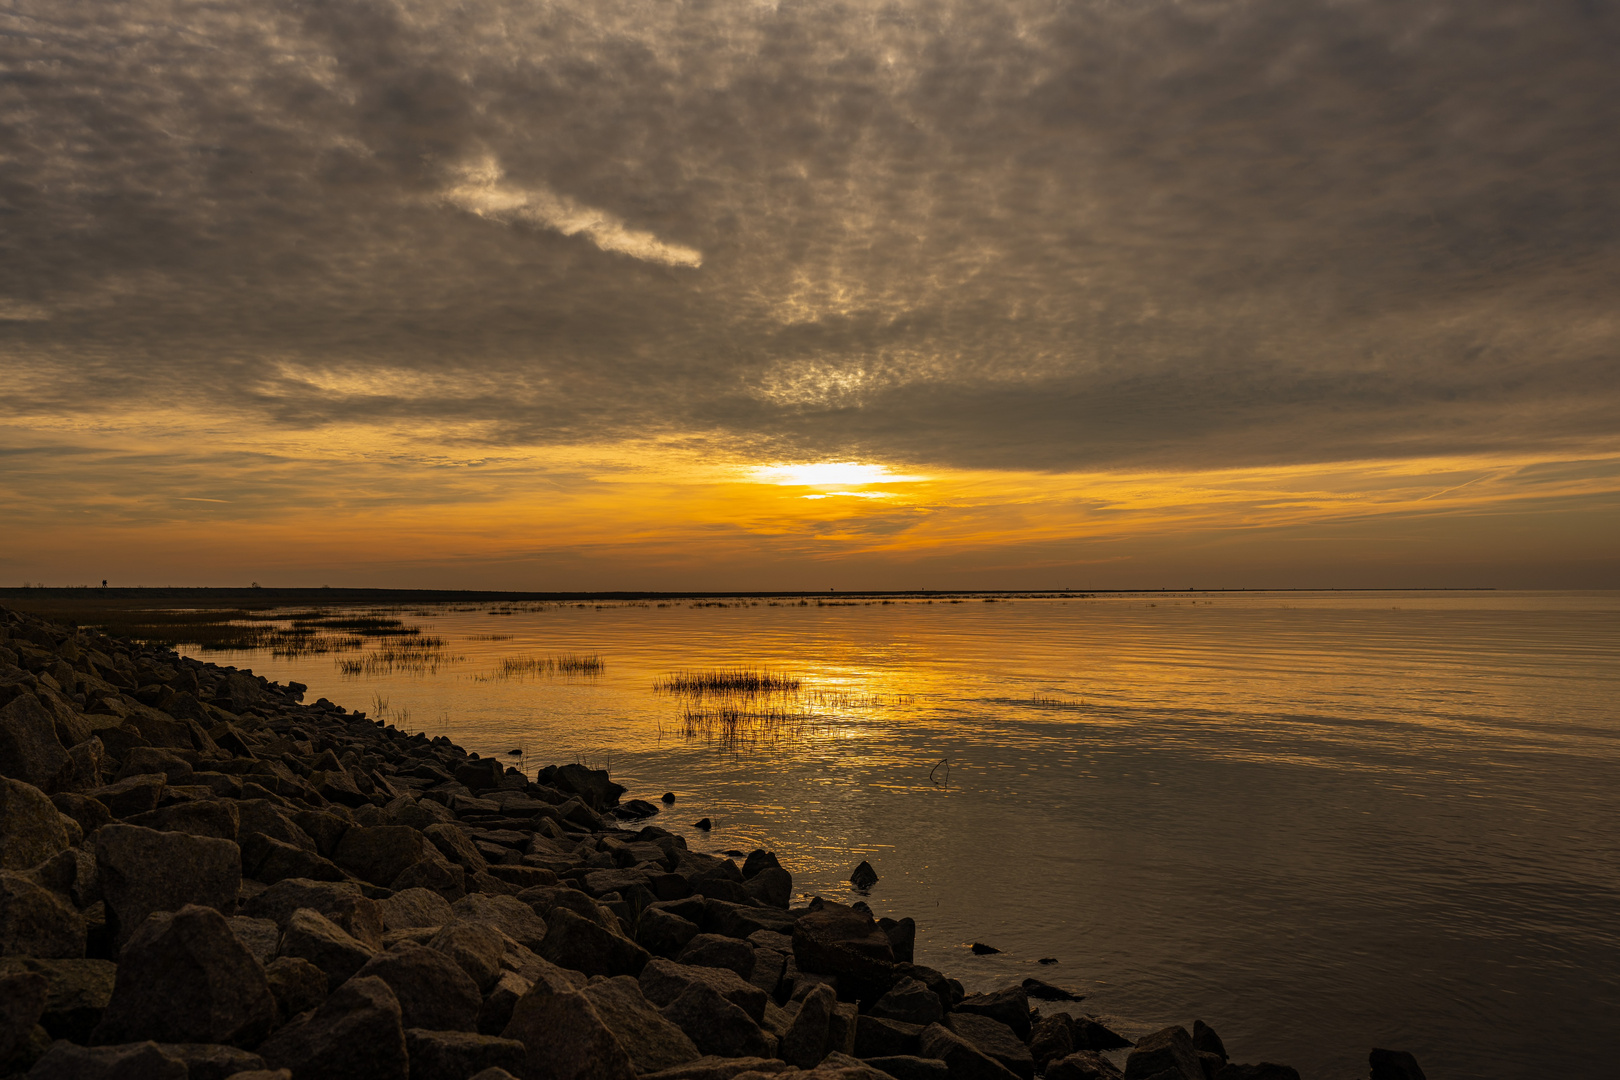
<point x="1319" y="822"/>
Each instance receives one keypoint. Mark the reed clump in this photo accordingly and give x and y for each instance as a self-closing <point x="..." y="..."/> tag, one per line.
<point x="521" y="667"/>
<point x="420" y="656"/>
<point x="728" y="682"/>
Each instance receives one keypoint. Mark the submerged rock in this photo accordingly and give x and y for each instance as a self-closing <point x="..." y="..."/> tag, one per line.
<point x="864" y="877"/>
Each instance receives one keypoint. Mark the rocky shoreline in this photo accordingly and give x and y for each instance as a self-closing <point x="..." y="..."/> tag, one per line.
<point x="201" y="877"/>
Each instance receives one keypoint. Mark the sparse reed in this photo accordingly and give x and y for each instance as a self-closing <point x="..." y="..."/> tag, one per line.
<point x="732" y="682"/>
<point x="521" y="667"/>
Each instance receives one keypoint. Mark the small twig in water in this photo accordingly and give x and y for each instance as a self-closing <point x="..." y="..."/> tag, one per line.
<point x="944" y="763"/>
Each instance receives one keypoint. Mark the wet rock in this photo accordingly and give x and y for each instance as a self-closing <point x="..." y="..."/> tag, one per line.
<point x="22" y="1003"/>
<point x="296" y="984"/>
<point x="1091" y="1035"/>
<point x="846" y="942"/>
<point x="309" y="935"/>
<point x="1265" y="1071"/>
<point x="565" y="1039"/>
<point x="379" y="854"/>
<point x="131" y="795"/>
<point x="476" y="948"/>
<point x="1394" y="1065"/>
<point x="29" y="748"/>
<point x="715" y="950"/>
<point x="703" y="823"/>
<point x="996" y="1040"/>
<point x="35" y="921"/>
<point x="668" y="798"/>
<point x="1052" y="1039"/>
<point x="432" y="989"/>
<point x="772" y="885"/>
<point x="507" y="914"/>
<point x="715" y="1024"/>
<point x="910" y="1067"/>
<point x="185" y="978"/>
<point x="415" y="907"/>
<point x="876" y="1036"/>
<point x="1167" y="1054"/>
<point x="949" y="991"/>
<point x="805" y="1043"/>
<point x="269" y="860"/>
<point x="456" y="1055"/>
<point x="981" y="949"/>
<point x="652" y="1041"/>
<point x="133" y="1061"/>
<point x="902" y="935"/>
<point x="1010" y="1006"/>
<point x="741" y="920"/>
<point x="206" y="1061"/>
<point x="965" y="1060"/>
<point x="1045" y="991"/>
<point x="1205" y="1041"/>
<point x="31" y="828"/>
<point x="664" y="933"/>
<point x="577" y="943"/>
<point x="1083" y="1065"/>
<point x="910" y="1001"/>
<point x="591" y="785"/>
<point x="91" y="814"/>
<point x="863" y="877"/>
<point x="355" y="1034"/>
<point x="143" y="870"/>
<point x="340" y="901"/>
<point x="662" y="981"/>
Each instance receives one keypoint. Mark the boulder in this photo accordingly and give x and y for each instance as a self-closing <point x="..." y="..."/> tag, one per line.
<point x="143" y="870"/>
<point x="31" y="828"/>
<point x="965" y="1061"/>
<point x="715" y="950"/>
<point x="35" y="921"/>
<point x="1052" y="1039"/>
<point x="564" y="1038"/>
<point x="22" y="1002"/>
<point x="432" y="989"/>
<point x="268" y="860"/>
<point x="205" y="1061"/>
<point x="652" y="1041"/>
<point x="185" y="978"/>
<point x="309" y="935"/>
<point x="496" y="1011"/>
<point x="577" y="943"/>
<point x="757" y="860"/>
<point x="132" y="1061"/>
<point x="29" y="748"/>
<point x="202" y="817"/>
<point x="1394" y="1065"/>
<point x="297" y="984"/>
<point x="1045" y="991"/>
<point x="131" y="795"/>
<point x="769" y="966"/>
<point x="805" y="1042"/>
<point x="664" y="933"/>
<point x="841" y="1028"/>
<point x="847" y="942"/>
<point x="1205" y="1041"/>
<point x="507" y="914"/>
<point x="77" y="991"/>
<point x="863" y="877"/>
<point x="264" y="816"/>
<point x="909" y="1067"/>
<point x="91" y="814"/>
<point x="342" y="902"/>
<point x="877" y="1037"/>
<point x="415" y="908"/>
<point x="995" y="1039"/>
<point x="1010" y="1006"/>
<point x="356" y="1034"/>
<point x="153" y="759"/>
<point x="435" y="872"/>
<point x="1167" y="1054"/>
<point x="476" y="948"/>
<point x="1083" y="1065"/>
<point x="772" y="885"/>
<point x="1091" y="1035"/>
<point x="715" y="1024"/>
<point x="910" y="1001"/>
<point x="456" y="1055"/>
<point x="379" y="854"/>
<point x="591" y="785"/>
<point x="662" y="981"/>
<point x="456" y="846"/>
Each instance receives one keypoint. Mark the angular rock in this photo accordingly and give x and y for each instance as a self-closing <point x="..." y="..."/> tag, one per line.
<point x="355" y="1034"/>
<point x="577" y="943"/>
<point x="415" y="908"/>
<point x="662" y="981"/>
<point x="1394" y="1065"/>
<point x="263" y="816"/>
<point x="772" y="885"/>
<point x="592" y="785"/>
<point x="715" y="950"/>
<point x="769" y="965"/>
<point x="143" y="870"/>
<point x="1091" y="1035"/>
<point x="996" y="1040"/>
<point x="507" y="914"/>
<point x="966" y="1061"/>
<point x="77" y="991"/>
<point x="1010" y="1006"/>
<point x="909" y="1067"/>
<point x="877" y="1037"/>
<point x="1083" y="1065"/>
<point x="456" y="1055"/>
<point x="910" y="1001"/>
<point x="379" y="854"/>
<point x="35" y="921"/>
<point x="152" y="759"/>
<point x="205" y="1061"/>
<point x="715" y="1024"/>
<point x="309" y="935"/>
<point x="297" y="984"/>
<point x="664" y="933"/>
<point x="185" y="978"/>
<point x="91" y="814"/>
<point x="863" y="877"/>
<point x="652" y="1041"/>
<point x="805" y="1043"/>
<point x="31" y="828"/>
<point x="29" y="748"/>
<point x="714" y="1067"/>
<point x="131" y="795"/>
<point x="1167" y="1054"/>
<point x="432" y="989"/>
<point x="132" y="1061"/>
<point x="435" y="872"/>
<point x="565" y="1039"/>
<point x="1205" y="1041"/>
<point x="218" y="818"/>
<point x="341" y="902"/>
<point x="22" y="1002"/>
<point x="456" y="846"/>
<point x="841" y="1028"/>
<point x="1052" y="1039"/>
<point x="269" y="860"/>
<point x="844" y="941"/>
<point x="1045" y="991"/>
<point x="496" y="1011"/>
<point x="476" y="948"/>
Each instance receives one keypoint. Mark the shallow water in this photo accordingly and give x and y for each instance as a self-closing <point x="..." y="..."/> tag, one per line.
<point x="1320" y="822"/>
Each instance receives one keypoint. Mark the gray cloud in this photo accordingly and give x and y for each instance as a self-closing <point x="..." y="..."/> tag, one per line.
<point x="1027" y="234"/>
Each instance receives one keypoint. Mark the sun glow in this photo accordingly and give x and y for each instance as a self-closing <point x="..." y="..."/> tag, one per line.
<point x="828" y="474"/>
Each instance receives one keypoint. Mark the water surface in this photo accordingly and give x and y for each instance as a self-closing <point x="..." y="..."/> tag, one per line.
<point x="1319" y="822"/>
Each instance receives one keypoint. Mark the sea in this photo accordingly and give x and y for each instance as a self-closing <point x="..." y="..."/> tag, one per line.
<point x="1320" y="822"/>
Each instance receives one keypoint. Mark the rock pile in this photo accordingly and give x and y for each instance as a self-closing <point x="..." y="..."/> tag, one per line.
<point x="202" y="878"/>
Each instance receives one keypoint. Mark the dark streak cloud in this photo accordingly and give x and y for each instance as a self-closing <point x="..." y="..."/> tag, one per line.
<point x="1021" y="234"/>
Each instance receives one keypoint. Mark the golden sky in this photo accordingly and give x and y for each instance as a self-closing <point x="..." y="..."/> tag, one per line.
<point x="614" y="295"/>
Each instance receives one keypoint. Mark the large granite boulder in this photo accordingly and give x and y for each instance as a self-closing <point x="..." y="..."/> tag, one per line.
<point x="846" y="942"/>
<point x="340" y="901"/>
<point x="910" y="1001"/>
<point x="380" y="854"/>
<point x="966" y="1061"/>
<point x="1166" y="1054"/>
<point x="652" y="1042"/>
<point x="565" y="1038"/>
<point x="716" y="950"/>
<point x="507" y="914"/>
<point x="577" y="943"/>
<point x="309" y="935"/>
<point x="1083" y="1065"/>
<point x="664" y="933"/>
<point x="131" y="1061"/>
<point x="716" y="1025"/>
<point x="29" y="748"/>
<point x="412" y="908"/>
<point x="144" y="870"/>
<point x="77" y="992"/>
<point x="355" y="1034"/>
<point x="31" y="827"/>
<point x="35" y="921"/>
<point x="662" y="981"/>
<point x="297" y="984"/>
<point x="996" y="1040"/>
<point x="1010" y="1006"/>
<point x="805" y="1042"/>
<point x="433" y="991"/>
<point x="185" y="978"/>
<point x="22" y="1002"/>
<point x="476" y="948"/>
<point x="457" y="1055"/>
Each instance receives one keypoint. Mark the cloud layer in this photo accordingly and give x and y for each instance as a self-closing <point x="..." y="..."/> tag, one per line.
<point x="1024" y="234"/>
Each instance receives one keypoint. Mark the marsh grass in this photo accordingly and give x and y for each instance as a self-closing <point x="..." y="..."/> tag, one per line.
<point x="731" y="725"/>
<point x="728" y="682"/>
<point x="1041" y="702"/>
<point x="524" y="667"/>
<point x="414" y="656"/>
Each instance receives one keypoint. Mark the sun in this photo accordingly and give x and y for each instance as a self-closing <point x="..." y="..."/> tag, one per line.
<point x="827" y="474"/>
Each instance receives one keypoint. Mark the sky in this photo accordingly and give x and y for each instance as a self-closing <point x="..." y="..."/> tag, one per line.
<point x="596" y="294"/>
